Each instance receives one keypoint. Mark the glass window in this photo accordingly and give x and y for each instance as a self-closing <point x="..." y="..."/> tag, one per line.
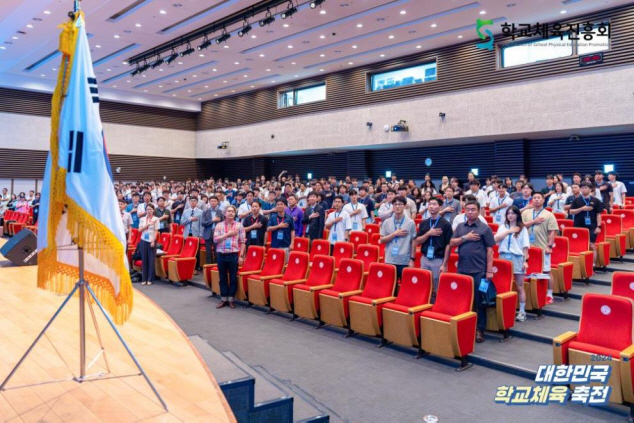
<point x="597" y="43"/>
<point x="535" y="51"/>
<point x="403" y="77"/>
<point x="303" y="95"/>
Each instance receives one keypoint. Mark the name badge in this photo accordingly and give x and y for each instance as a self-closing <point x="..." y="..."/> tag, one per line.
<point x="254" y="234"/>
<point x="588" y="221"/>
<point x="430" y="252"/>
<point x="395" y="250"/>
<point x="498" y="218"/>
<point x="227" y="244"/>
<point x="280" y="235"/>
<point x="447" y="217"/>
<point x="355" y="225"/>
<point x="484" y="285"/>
<point x="531" y="238"/>
<point x="334" y="237"/>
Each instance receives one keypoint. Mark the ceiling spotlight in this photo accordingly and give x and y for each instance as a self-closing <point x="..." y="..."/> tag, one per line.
<point x="136" y="71"/>
<point x="290" y="11"/>
<point x="268" y="19"/>
<point x="245" y="29"/>
<point x="171" y="57"/>
<point x="158" y="63"/>
<point x="315" y="3"/>
<point x="224" y="37"/>
<point x="187" y="52"/>
<point x="206" y="43"/>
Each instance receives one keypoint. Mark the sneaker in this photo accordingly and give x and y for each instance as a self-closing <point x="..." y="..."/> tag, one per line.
<point x="549" y="300"/>
<point x="521" y="317"/>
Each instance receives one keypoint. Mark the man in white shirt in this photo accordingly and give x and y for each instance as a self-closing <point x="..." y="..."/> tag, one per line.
<point x="386" y="210"/>
<point x="147" y="197"/>
<point x="245" y="208"/>
<point x="411" y="204"/>
<point x="479" y="195"/>
<point x="357" y="212"/>
<point x="618" y="189"/>
<point x="338" y="223"/>
<point x="500" y="205"/>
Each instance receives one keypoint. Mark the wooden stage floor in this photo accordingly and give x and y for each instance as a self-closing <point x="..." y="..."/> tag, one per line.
<point x="163" y="350"/>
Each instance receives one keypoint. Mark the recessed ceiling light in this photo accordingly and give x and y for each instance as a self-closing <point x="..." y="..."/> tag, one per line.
<point x="273" y="82"/>
<point x="323" y="12"/>
<point x="14" y="37"/>
<point x="382" y="55"/>
<point x="47" y="12"/>
<point x="403" y="12"/>
<point x="125" y="63"/>
<point x="354" y="46"/>
<point x="224" y="82"/>
<point x="54" y="69"/>
<point x="322" y="36"/>
<point x="350" y="63"/>
<point x="236" y="63"/>
<point x="114" y="86"/>
<point x="162" y="12"/>
<point x="321" y="70"/>
<point x="268" y="70"/>
<point x="144" y="91"/>
<point x="261" y="55"/>
<point x="160" y="69"/>
<point x="254" y="36"/>
<point x="29" y="26"/>
<point x="359" y="25"/>
<point x="138" y="25"/>
<point x="117" y="36"/>
<point x="201" y="55"/>
<point x="483" y="12"/>
<point x="459" y="36"/>
<point x="199" y="99"/>
<point x="189" y="91"/>
<point x="108" y="70"/>
<point x="128" y="81"/>
<point x="226" y="46"/>
<point x="160" y="86"/>
<point x="419" y="46"/>
<point x="322" y="55"/>
<point x="98" y="46"/>
<point x="194" y="76"/>
<point x="563" y="12"/>
<point x="173" y="95"/>
<point x="246" y="76"/>
<point x="42" y="75"/>
<point x="3" y="48"/>
<point x="290" y="46"/>
<point x="391" y="37"/>
<point x="215" y="70"/>
<point x="233" y="91"/>
<point x="286" y="25"/>
<point x="176" y="81"/>
<point x="215" y="95"/>
<point x="293" y="63"/>
<point x="252" y="86"/>
<point x="180" y="63"/>
<point x="206" y="86"/>
<point x="144" y="76"/>
<point x="296" y="76"/>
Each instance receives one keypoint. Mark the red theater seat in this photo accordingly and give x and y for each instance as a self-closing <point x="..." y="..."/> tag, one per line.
<point x="602" y="247"/>
<point x="252" y="263"/>
<point x="536" y="288"/>
<point x="273" y="266"/>
<point x="581" y="256"/>
<point x="627" y="219"/>
<point x="372" y="228"/>
<point x="181" y="268"/>
<point x="605" y="328"/>
<point x="319" y="246"/>
<point x="452" y="263"/>
<point x="366" y="308"/>
<point x="615" y="235"/>
<point x="306" y="296"/>
<point x="342" y="250"/>
<point x="296" y="271"/>
<point x="501" y="318"/>
<point x="358" y="238"/>
<point x="560" y="265"/>
<point x="174" y="251"/>
<point x="333" y="302"/>
<point x="623" y="284"/>
<point x="368" y="254"/>
<point x="401" y="318"/>
<point x="301" y="244"/>
<point x="374" y="240"/>
<point x="448" y="329"/>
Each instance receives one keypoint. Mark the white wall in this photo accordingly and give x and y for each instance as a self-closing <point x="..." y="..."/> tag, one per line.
<point x="563" y="104"/>
<point x="32" y="133"/>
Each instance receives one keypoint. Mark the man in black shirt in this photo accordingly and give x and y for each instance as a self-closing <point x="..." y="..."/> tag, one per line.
<point x="255" y="226"/>
<point x="314" y="218"/>
<point x="606" y="190"/>
<point x="434" y="236"/>
<point x="365" y="199"/>
<point x="177" y="207"/>
<point x="586" y="210"/>
<point x="574" y="188"/>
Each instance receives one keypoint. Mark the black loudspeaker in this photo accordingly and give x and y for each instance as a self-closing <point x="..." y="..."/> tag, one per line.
<point x="21" y="250"/>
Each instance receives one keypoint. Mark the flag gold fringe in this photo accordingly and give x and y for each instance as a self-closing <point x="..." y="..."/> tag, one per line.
<point x="86" y="231"/>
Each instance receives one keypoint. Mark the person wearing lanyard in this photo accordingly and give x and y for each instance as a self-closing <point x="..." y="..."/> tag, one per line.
<point x="191" y="219"/>
<point x="586" y="210"/>
<point x="282" y="227"/>
<point x="338" y="223"/>
<point x="367" y="202"/>
<point x="525" y="201"/>
<point x="475" y="241"/>
<point x="397" y="233"/>
<point x="434" y="236"/>
<point x="211" y="217"/>
<point x="255" y="226"/>
<point x="127" y="220"/>
<point x="149" y="226"/>
<point x="357" y="212"/>
<point x="574" y="193"/>
<point x="542" y="230"/>
<point x="244" y="209"/>
<point x="229" y="238"/>
<point x="296" y="213"/>
<point x="513" y="242"/>
<point x="558" y="199"/>
<point x="386" y="209"/>
<point x="451" y="207"/>
<point x="314" y="218"/>
<point x="163" y="216"/>
<point x="503" y="201"/>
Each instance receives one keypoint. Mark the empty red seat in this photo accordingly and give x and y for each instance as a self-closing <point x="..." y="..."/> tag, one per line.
<point x="342" y="250"/>
<point x="358" y="238"/>
<point x="366" y="308"/>
<point x="319" y="246"/>
<point x="273" y="266"/>
<point x="623" y="284"/>
<point x="494" y="227"/>
<point x="501" y="318"/>
<point x="301" y="244"/>
<point x="374" y="240"/>
<point x="581" y="256"/>
<point x="296" y="271"/>
<point x="368" y="254"/>
<point x="536" y="288"/>
<point x="560" y="265"/>
<point x="401" y="318"/>
<point x="372" y="228"/>
<point x="602" y="248"/>
<point x="615" y="235"/>
<point x="564" y="223"/>
<point x="605" y="329"/>
<point x="252" y="263"/>
<point x="174" y="251"/>
<point x="305" y="296"/>
<point x="559" y="215"/>
<point x="452" y="263"/>
<point x="448" y="329"/>
<point x="627" y="220"/>
<point x="181" y="268"/>
<point x="333" y="302"/>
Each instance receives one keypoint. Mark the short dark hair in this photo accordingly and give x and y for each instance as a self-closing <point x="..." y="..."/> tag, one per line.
<point x="391" y="190"/>
<point x="313" y="193"/>
<point x="598" y="172"/>
<point x="213" y="197"/>
<point x="399" y="199"/>
<point x="136" y="194"/>
<point x="435" y="200"/>
<point x="338" y="197"/>
<point x="586" y="184"/>
<point x="353" y="192"/>
<point x="402" y="188"/>
<point x="281" y="200"/>
<point x="538" y="193"/>
<point x="160" y="198"/>
<point x="472" y="203"/>
<point x="449" y="187"/>
<point x="469" y="198"/>
<point x="475" y="182"/>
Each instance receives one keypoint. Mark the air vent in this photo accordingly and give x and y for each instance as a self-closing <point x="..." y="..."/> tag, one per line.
<point x="126" y="11"/>
<point x="115" y="54"/>
<point x="43" y="60"/>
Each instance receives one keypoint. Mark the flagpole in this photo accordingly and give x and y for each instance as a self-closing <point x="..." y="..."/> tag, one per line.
<point x="82" y="316"/>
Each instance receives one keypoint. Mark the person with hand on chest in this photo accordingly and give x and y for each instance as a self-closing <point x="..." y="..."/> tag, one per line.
<point x="314" y="218"/>
<point x="230" y="241"/>
<point x="397" y="233"/>
<point x="450" y="206"/>
<point x="191" y="219"/>
<point x="255" y="226"/>
<point x="211" y="217"/>
<point x="282" y="227"/>
<point x="296" y="213"/>
<point x="500" y="204"/>
<point x="338" y="223"/>
<point x="586" y="211"/>
<point x="357" y="212"/>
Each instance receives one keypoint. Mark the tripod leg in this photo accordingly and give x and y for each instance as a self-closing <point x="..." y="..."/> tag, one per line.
<point x="50" y="322"/>
<point x="94" y="321"/>
<point x="125" y="345"/>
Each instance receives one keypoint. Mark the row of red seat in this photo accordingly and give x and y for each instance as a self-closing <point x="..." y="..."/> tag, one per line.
<point x="16" y="221"/>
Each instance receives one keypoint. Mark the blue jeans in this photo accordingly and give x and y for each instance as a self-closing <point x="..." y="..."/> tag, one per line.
<point x="228" y="272"/>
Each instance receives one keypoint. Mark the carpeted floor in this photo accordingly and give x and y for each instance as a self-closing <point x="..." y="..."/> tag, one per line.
<point x="351" y="376"/>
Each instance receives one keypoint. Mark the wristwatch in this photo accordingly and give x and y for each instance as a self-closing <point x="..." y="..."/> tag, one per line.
<point x="412" y="258"/>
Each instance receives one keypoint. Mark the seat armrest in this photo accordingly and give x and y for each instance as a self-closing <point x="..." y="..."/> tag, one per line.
<point x="383" y="300"/>
<point x="297" y="282"/>
<point x="181" y="259"/>
<point x="206" y="266"/>
<point x="168" y="257"/>
<point x="320" y="287"/>
<point x="253" y="272"/>
<point x="628" y="353"/>
<point x="350" y="293"/>
<point x="268" y="278"/>
<point x="419" y="308"/>
<point x="564" y="338"/>
<point x="463" y="316"/>
<point x="506" y="295"/>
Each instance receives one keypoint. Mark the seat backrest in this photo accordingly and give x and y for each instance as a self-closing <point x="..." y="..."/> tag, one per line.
<point x="368" y="254"/>
<point x="319" y="246"/>
<point x="452" y="263"/>
<point x="374" y="238"/>
<point x="173" y="228"/>
<point x="381" y="281"/>
<point x="190" y="247"/>
<point x="494" y="227"/>
<point x="415" y="287"/>
<point x="606" y="321"/>
<point x="181" y="230"/>
<point x="274" y="263"/>
<point x="559" y="215"/>
<point x="560" y="251"/>
<point x="535" y="260"/>
<point x="623" y="284"/>
<point x="342" y="250"/>
<point x="371" y="229"/>
<point x="579" y="239"/>
<point x="301" y="244"/>
<point x="489" y="219"/>
<point x="357" y="238"/>
<point x="564" y="223"/>
<point x="254" y="259"/>
<point x="297" y="266"/>
<point x="613" y="224"/>
<point x="455" y="294"/>
<point x="502" y="275"/>
<point x="135" y="235"/>
<point x="166" y="240"/>
<point x="175" y="246"/>
<point x="321" y="271"/>
<point x="349" y="275"/>
<point x="627" y="218"/>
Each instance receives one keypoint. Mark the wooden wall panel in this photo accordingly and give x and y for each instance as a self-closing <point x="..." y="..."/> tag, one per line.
<point x="461" y="66"/>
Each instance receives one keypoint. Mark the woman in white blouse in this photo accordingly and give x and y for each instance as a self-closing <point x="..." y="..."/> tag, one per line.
<point x="149" y="227"/>
<point x="557" y="200"/>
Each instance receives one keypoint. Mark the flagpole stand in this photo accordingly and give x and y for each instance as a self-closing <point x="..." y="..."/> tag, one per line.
<point x="84" y="291"/>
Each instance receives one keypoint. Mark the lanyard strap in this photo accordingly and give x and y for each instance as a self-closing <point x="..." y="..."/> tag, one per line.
<point x="588" y="202"/>
<point x="431" y="239"/>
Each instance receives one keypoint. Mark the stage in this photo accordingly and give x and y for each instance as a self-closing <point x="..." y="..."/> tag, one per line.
<point x="163" y="350"/>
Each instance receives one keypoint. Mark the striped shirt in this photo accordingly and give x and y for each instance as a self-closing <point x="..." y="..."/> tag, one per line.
<point x="232" y="244"/>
